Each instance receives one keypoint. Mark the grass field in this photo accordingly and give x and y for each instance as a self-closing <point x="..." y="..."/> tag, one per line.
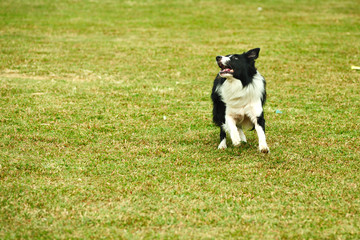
<point x="106" y="132"/>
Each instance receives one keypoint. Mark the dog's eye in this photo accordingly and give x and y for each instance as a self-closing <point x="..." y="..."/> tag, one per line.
<point x="235" y="58"/>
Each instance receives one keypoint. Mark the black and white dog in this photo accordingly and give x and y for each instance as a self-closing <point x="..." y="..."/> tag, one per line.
<point x="238" y="97"/>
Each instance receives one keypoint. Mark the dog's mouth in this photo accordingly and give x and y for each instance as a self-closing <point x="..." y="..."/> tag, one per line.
<point x="225" y="69"/>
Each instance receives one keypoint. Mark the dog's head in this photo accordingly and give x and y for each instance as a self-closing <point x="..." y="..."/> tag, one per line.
<point x="239" y="66"/>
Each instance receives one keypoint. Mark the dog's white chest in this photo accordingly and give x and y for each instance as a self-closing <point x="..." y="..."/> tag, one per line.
<point x="241" y="101"/>
<point x="233" y="94"/>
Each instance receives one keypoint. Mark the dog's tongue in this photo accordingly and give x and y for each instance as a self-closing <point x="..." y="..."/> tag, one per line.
<point x="227" y="70"/>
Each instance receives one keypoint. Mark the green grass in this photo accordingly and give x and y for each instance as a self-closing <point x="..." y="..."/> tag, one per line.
<point x="85" y="151"/>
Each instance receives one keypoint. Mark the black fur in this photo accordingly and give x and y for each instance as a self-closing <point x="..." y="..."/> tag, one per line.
<point x="218" y="107"/>
<point x="261" y="121"/>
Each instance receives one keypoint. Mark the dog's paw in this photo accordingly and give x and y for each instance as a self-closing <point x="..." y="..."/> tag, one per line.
<point x="264" y="149"/>
<point x="236" y="143"/>
<point x="222" y="144"/>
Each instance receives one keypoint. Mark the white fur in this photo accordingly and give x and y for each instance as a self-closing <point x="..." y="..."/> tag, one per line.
<point x="243" y="106"/>
<point x="262" y="140"/>
<point x="224" y="60"/>
<point x="222" y="144"/>
<point x="242" y="135"/>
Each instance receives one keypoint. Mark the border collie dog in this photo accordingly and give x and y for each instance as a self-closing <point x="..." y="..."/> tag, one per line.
<point x="238" y="97"/>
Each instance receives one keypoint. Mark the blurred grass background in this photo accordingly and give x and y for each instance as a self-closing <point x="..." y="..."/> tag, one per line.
<point x="87" y="153"/>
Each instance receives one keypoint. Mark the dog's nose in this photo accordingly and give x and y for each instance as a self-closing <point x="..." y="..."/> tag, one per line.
<point x="218" y="58"/>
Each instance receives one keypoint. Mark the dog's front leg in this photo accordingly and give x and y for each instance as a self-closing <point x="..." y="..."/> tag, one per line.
<point x="222" y="144"/>
<point x="262" y="139"/>
<point x="233" y="130"/>
<point x="260" y="130"/>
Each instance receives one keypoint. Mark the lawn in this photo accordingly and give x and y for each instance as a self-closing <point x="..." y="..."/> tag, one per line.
<point x="106" y="131"/>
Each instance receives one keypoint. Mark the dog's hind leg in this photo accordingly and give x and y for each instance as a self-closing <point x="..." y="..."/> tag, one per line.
<point x="222" y="144"/>
<point x="242" y="135"/>
<point x="233" y="130"/>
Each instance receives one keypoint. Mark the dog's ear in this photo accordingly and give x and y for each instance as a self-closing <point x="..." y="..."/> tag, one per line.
<point x="253" y="53"/>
